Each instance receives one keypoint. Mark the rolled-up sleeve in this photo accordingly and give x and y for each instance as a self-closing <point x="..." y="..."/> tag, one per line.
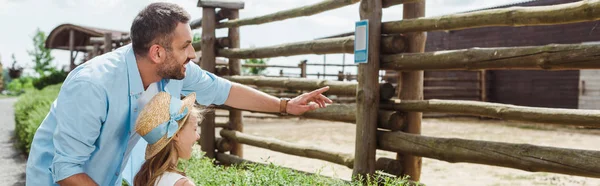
<point x="80" y="111"/>
<point x="209" y="88"/>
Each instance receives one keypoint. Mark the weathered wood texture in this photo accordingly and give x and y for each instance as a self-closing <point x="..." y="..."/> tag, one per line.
<point x="290" y="148"/>
<point x="221" y="4"/>
<point x="389" y="45"/>
<point x="343" y="113"/>
<point x="367" y="94"/>
<point x="220" y="42"/>
<point x="412" y="89"/>
<point x="207" y="62"/>
<point x="221" y="14"/>
<point x="514" y="16"/>
<point x="291" y="13"/>
<point x="525" y="157"/>
<point x="576" y="117"/>
<point x="235" y="116"/>
<point x="335" y="87"/>
<point x="548" y="57"/>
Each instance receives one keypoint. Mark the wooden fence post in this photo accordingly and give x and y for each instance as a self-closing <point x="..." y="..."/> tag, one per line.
<point x="235" y="116"/>
<point x="107" y="42"/>
<point x="367" y="95"/>
<point x="411" y="88"/>
<point x="303" y="69"/>
<point x="72" y="48"/>
<point x="207" y="62"/>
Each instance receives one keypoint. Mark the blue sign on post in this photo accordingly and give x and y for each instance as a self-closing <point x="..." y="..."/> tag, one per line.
<point x="361" y="41"/>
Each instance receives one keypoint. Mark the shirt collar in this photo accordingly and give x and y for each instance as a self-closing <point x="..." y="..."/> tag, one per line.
<point x="135" y="80"/>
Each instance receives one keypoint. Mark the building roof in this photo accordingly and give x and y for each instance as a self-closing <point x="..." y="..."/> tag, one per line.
<point x="59" y="37"/>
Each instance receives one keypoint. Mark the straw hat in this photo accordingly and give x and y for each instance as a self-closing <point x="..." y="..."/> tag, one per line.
<point x="157" y="125"/>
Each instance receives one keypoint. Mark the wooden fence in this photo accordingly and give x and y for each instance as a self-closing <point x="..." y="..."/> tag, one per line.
<point x="395" y="124"/>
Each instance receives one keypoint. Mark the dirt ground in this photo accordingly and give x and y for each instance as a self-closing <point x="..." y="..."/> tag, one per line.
<point x="340" y="137"/>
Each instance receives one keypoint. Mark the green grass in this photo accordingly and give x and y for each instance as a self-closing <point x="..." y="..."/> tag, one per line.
<point x="203" y="172"/>
<point x="2" y="96"/>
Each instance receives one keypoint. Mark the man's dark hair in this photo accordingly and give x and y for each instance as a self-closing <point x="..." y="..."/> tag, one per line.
<point x="155" y="24"/>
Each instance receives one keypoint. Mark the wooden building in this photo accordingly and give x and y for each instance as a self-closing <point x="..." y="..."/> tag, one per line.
<point x="558" y="89"/>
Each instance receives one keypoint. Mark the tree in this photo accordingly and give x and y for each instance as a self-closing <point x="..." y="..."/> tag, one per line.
<point x="41" y="55"/>
<point x="255" y="70"/>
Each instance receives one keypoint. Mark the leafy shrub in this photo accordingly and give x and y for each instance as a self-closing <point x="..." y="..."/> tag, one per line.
<point x="30" y="110"/>
<point x="55" y="77"/>
<point x="20" y="85"/>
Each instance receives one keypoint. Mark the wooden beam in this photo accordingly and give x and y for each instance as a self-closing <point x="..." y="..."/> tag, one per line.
<point x="235" y="116"/>
<point x="580" y="11"/>
<point x="389" y="45"/>
<point x="575" y="117"/>
<point x="547" y="57"/>
<point x="220" y="42"/>
<point x="221" y="15"/>
<point x="221" y="4"/>
<point x="342" y="113"/>
<point x="307" y="10"/>
<point x="207" y="62"/>
<point x="290" y="148"/>
<point x="108" y="42"/>
<point x="72" y="48"/>
<point x="367" y="96"/>
<point x="335" y="87"/>
<point x="525" y="157"/>
<point x="411" y="88"/>
<point x="101" y="40"/>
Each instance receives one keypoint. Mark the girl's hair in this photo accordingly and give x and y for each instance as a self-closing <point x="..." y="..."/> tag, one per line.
<point x="162" y="162"/>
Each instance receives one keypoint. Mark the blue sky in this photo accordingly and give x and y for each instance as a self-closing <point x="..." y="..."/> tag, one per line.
<point x="20" y="18"/>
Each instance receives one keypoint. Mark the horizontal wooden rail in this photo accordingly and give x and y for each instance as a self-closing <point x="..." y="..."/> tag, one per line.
<point x="262" y="66"/>
<point x="220" y="15"/>
<point x="335" y="87"/>
<point x="387" y="90"/>
<point x="388" y="3"/>
<point x="548" y="57"/>
<point x="526" y="157"/>
<point x="307" y="10"/>
<point x="576" y="117"/>
<point x="290" y="148"/>
<point x="333" y="65"/>
<point x="389" y="45"/>
<point x="344" y="113"/>
<point x="221" y="42"/>
<point x="580" y="11"/>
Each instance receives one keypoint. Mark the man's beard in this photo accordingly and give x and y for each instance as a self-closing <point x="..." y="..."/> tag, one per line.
<point x="171" y="69"/>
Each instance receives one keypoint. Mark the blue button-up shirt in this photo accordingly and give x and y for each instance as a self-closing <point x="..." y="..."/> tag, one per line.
<point x="90" y="124"/>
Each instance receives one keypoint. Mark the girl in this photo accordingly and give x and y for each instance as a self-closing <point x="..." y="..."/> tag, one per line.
<point x="169" y="126"/>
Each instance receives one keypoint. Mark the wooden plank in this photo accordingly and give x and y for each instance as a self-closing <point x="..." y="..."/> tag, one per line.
<point x="107" y="42"/>
<point x="575" y="117"/>
<point x="227" y="4"/>
<point x="72" y="48"/>
<point x="412" y="89"/>
<point x="547" y="57"/>
<point x="389" y="45"/>
<point x="290" y="148"/>
<point x="580" y="11"/>
<point x="367" y="96"/>
<point x="525" y="157"/>
<point x="207" y="139"/>
<point x="291" y="13"/>
<point x="221" y="14"/>
<point x="235" y="116"/>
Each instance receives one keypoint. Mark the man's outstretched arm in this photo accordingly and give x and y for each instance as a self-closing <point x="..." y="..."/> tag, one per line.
<point x="244" y="97"/>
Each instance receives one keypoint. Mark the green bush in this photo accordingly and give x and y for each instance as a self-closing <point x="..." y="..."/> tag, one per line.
<point x="55" y="77"/>
<point x="20" y="85"/>
<point x="31" y="108"/>
<point x="203" y="172"/>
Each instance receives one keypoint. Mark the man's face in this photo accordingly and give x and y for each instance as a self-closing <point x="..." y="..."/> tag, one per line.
<point x="179" y="54"/>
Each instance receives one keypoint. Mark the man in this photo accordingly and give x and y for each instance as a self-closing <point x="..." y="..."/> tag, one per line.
<point x="88" y="134"/>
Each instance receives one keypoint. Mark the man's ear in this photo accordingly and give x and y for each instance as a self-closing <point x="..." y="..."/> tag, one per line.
<point x="156" y="53"/>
